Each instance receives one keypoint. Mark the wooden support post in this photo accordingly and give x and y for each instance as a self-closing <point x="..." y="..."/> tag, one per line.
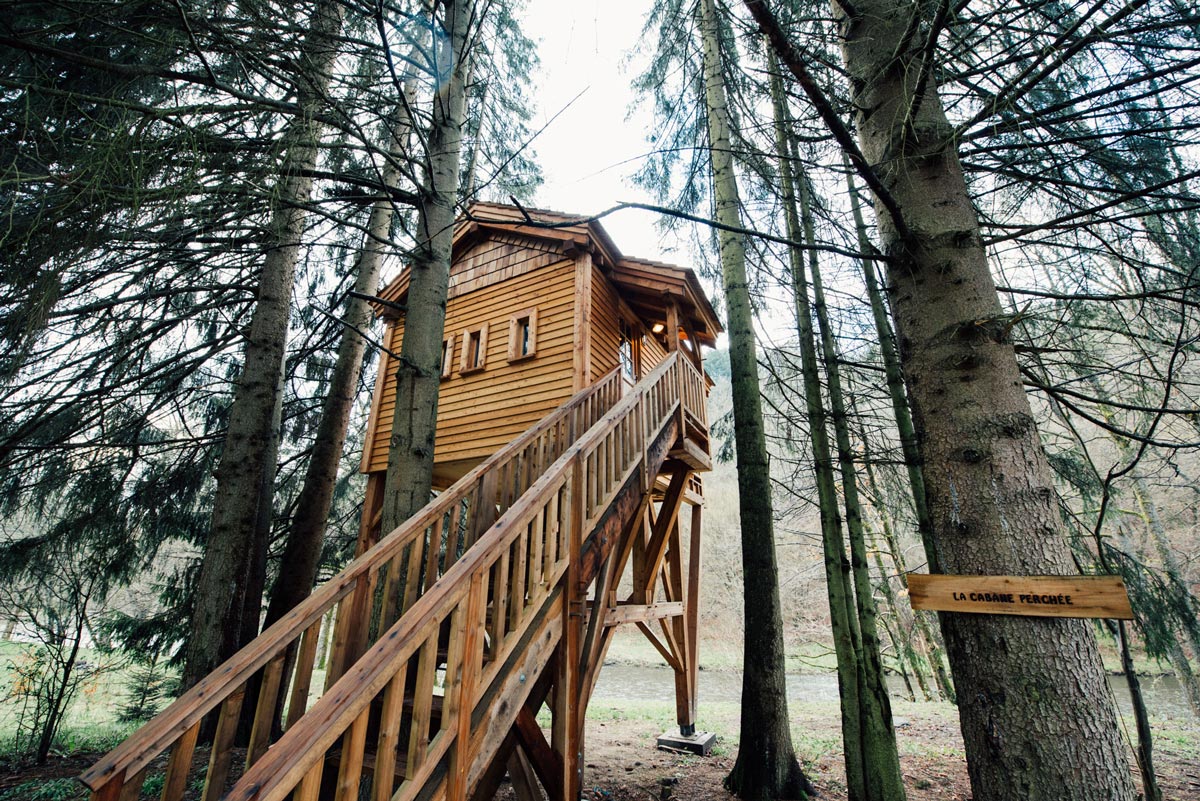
<point x="672" y="325"/>
<point x="683" y="691"/>
<point x="582" y="358"/>
<point x="567" y="733"/>
<point x="691" y="613"/>
<point x="693" y="344"/>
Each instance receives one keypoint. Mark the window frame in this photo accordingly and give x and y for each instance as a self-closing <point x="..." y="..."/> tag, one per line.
<point x="448" y="357"/>
<point x="514" y="335"/>
<point x="464" y="365"/>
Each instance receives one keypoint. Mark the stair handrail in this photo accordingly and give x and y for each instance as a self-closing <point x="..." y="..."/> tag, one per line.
<point x="177" y="726"/>
<point x="599" y="462"/>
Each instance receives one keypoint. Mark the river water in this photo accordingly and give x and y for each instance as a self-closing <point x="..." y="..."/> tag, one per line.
<point x="1164" y="697"/>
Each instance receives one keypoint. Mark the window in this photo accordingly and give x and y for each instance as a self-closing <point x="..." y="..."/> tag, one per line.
<point x="474" y="350"/>
<point x="447" y="356"/>
<point x="522" y="335"/>
<point x="625" y="350"/>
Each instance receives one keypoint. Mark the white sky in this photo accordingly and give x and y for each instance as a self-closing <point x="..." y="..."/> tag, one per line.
<point x="588" y="153"/>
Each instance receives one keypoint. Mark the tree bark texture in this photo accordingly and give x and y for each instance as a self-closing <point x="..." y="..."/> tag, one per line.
<point x="1034" y="707"/>
<point x="410" y="450"/>
<point x="766" y="766"/>
<point x="245" y="475"/>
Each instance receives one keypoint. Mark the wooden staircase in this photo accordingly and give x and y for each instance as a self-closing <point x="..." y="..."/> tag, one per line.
<point x="450" y="633"/>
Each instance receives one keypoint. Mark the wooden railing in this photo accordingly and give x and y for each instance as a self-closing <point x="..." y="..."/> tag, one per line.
<point x="369" y="595"/>
<point x="480" y="611"/>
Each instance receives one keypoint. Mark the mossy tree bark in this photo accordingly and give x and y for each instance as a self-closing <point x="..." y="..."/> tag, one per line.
<point x="766" y="766"/>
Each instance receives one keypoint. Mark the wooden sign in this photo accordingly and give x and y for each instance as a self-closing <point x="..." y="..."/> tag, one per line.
<point x="1040" y="596"/>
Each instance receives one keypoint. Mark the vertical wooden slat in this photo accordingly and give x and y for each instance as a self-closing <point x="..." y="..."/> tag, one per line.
<point x="350" y="770"/>
<point x="454" y="666"/>
<point x="412" y="578"/>
<point x="305" y="661"/>
<point x="418" y="739"/>
<point x="222" y="747"/>
<point x="133" y="788"/>
<point x="469" y="679"/>
<point x="516" y="611"/>
<point x="389" y="736"/>
<point x="310" y="785"/>
<point x="550" y="554"/>
<point x="264" y="710"/>
<point x="388" y="612"/>
<point x="180" y="764"/>
<point x="432" y="551"/>
<point x="500" y="603"/>
<point x="537" y="535"/>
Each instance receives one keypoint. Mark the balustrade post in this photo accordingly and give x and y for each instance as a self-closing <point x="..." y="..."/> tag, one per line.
<point x="679" y="389"/>
<point x="567" y="733"/>
<point x="468" y="681"/>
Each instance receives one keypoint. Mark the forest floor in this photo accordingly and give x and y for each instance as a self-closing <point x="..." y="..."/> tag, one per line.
<point x="632" y="706"/>
<point x="622" y="763"/>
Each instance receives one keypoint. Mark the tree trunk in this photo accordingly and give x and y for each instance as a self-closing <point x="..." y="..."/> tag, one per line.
<point x="842" y="614"/>
<point x="895" y="378"/>
<point x="932" y="649"/>
<point x="766" y="766"/>
<point x="306" y="536"/>
<point x="1175" y="654"/>
<point x="1034" y="707"/>
<point x="884" y="780"/>
<point x="410" y="451"/>
<point x="244" y="477"/>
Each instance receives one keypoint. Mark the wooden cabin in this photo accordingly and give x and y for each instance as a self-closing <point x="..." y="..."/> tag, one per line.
<point x="534" y="314"/>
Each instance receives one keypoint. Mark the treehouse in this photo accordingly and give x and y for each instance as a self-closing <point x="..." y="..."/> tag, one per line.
<point x="534" y="315"/>
<point x="571" y="431"/>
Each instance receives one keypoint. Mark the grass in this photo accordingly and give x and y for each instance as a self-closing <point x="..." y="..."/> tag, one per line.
<point x="630" y="647"/>
<point x="45" y="790"/>
<point x="90" y="724"/>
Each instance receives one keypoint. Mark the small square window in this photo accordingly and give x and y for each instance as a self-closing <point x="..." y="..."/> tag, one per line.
<point x="447" y="356"/>
<point x="522" y="335"/>
<point x="474" y="350"/>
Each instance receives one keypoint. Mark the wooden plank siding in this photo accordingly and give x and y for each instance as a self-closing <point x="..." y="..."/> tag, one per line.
<point x="495" y="275"/>
<point x="653" y="352"/>
<point x="608" y="307"/>
<point x="481" y="411"/>
<point x="606" y="330"/>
